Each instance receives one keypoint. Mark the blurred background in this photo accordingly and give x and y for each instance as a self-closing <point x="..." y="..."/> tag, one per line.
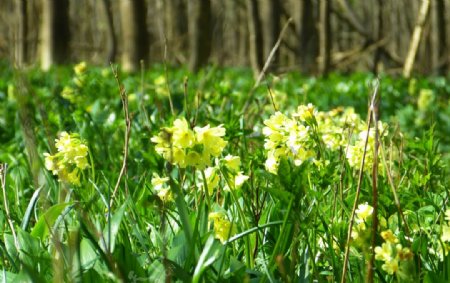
<point x="391" y="36"/>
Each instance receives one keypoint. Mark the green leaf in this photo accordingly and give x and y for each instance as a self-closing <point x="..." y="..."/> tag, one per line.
<point x="110" y="231"/>
<point x="48" y="219"/>
<point x="88" y="256"/>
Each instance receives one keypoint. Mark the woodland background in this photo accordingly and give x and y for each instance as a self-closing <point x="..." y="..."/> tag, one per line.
<point x="323" y="35"/>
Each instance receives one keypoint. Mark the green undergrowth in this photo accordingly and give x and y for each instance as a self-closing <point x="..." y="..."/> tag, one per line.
<point x="222" y="182"/>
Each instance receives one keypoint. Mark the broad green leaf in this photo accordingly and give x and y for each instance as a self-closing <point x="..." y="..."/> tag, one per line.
<point x="88" y="256"/>
<point x="48" y="219"/>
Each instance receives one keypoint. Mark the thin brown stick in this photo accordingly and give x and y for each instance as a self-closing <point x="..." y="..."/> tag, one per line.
<point x="358" y="191"/>
<point x="374" y="108"/>
<point x="124" y="98"/>
<point x="3" y="171"/>
<point x="266" y="65"/>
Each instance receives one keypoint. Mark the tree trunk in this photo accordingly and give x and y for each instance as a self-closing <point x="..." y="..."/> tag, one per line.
<point x="255" y="41"/>
<point x="270" y="20"/>
<point x="324" y="61"/>
<point x="378" y="52"/>
<point x="176" y="27"/>
<point x="134" y="34"/>
<point x="20" y="56"/>
<point x="55" y="33"/>
<point x="443" y="55"/>
<point x="307" y="35"/>
<point x="200" y="33"/>
<point x="415" y="39"/>
<point x="112" y="42"/>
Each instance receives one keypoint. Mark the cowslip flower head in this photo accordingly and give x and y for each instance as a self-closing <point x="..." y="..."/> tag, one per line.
<point x="363" y="212"/>
<point x="223" y="228"/>
<point x="184" y="147"/>
<point x="70" y="159"/>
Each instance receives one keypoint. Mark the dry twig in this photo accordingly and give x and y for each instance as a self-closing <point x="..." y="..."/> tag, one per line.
<point x="124" y="98"/>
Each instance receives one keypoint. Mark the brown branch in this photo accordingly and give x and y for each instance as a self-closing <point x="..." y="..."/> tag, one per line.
<point x="415" y="39"/>
<point x="266" y="65"/>
<point x="358" y="189"/>
<point x="124" y="98"/>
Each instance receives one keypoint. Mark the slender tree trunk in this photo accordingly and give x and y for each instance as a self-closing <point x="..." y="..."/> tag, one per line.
<point x="378" y="51"/>
<point x="443" y="54"/>
<point x="270" y="20"/>
<point x="415" y="39"/>
<point x="134" y="34"/>
<point x="200" y="33"/>
<point x="254" y="32"/>
<point x="324" y="61"/>
<point x="21" y="33"/>
<point x="112" y="42"/>
<point x="176" y="27"/>
<point x="55" y="32"/>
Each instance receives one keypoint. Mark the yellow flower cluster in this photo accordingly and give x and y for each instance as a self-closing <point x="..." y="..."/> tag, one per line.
<point x="391" y="252"/>
<point x="70" y="93"/>
<point x="223" y="228"/>
<point x="234" y="177"/>
<point x="185" y="147"/>
<point x="355" y="152"/>
<point x="363" y="215"/>
<point x="299" y="136"/>
<point x="161" y="187"/>
<point x="69" y="160"/>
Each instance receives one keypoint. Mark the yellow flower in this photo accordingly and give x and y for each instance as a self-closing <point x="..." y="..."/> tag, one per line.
<point x="233" y="163"/>
<point x="212" y="179"/>
<point x="384" y="252"/>
<point x="388" y="236"/>
<point x="211" y="138"/>
<point x="447" y="215"/>
<point x="70" y="158"/>
<point x="390" y="266"/>
<point x="223" y="228"/>
<point x="158" y="182"/>
<point x="80" y="68"/>
<point x="182" y="135"/>
<point x="363" y="212"/>
<point x="445" y="237"/>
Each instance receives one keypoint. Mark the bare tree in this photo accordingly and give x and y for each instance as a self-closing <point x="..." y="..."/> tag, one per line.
<point x="415" y="39"/>
<point x="112" y="42"/>
<point x="199" y="33"/>
<point x="255" y="41"/>
<point x="324" y="37"/>
<point x="270" y="22"/>
<point x="442" y="37"/>
<point x="55" y="32"/>
<point x="134" y="33"/>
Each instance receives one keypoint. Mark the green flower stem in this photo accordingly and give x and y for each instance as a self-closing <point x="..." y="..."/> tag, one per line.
<point x="282" y="232"/>
<point x="205" y="184"/>
<point x="248" y="252"/>
<point x="182" y="210"/>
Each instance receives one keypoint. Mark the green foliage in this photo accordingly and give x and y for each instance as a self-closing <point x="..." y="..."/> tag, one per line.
<point x="238" y="222"/>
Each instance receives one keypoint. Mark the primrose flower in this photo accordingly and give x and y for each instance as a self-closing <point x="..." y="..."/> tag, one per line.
<point x="392" y="253"/>
<point x="384" y="252"/>
<point x="212" y="179"/>
<point x="232" y="163"/>
<point x="70" y="159"/>
<point x="223" y="228"/>
<point x="80" y="68"/>
<point x="445" y="237"/>
<point x="363" y="212"/>
<point x="388" y="236"/>
<point x="183" y="146"/>
<point x="391" y="266"/>
<point x="160" y="185"/>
